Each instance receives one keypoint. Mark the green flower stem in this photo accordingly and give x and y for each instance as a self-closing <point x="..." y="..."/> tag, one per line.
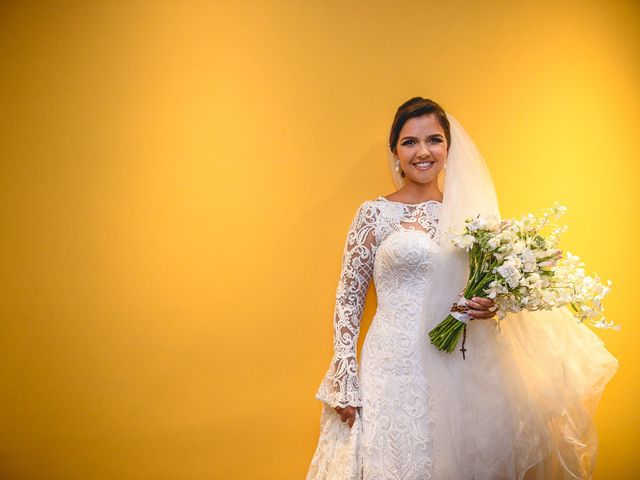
<point x="446" y="334"/>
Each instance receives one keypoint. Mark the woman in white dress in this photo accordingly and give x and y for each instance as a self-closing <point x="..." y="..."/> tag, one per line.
<point x="519" y="405"/>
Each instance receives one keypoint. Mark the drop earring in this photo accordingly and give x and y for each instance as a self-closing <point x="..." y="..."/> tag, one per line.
<point x="397" y="165"/>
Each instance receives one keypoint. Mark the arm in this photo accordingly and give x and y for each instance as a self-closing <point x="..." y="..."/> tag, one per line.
<point x="340" y="386"/>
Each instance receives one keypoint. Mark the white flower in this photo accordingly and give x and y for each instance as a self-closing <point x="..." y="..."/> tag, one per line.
<point x="488" y="221"/>
<point x="532" y="282"/>
<point x="572" y="260"/>
<point x="528" y="269"/>
<point x="606" y="324"/>
<point x="509" y="270"/>
<point x="464" y="241"/>
<point x="493" y="243"/>
<point x="508" y="236"/>
<point x="528" y="260"/>
<point x="558" y="209"/>
<point x="495" y="288"/>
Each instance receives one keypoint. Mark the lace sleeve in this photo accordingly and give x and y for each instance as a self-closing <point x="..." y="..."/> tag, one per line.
<point x="340" y="386"/>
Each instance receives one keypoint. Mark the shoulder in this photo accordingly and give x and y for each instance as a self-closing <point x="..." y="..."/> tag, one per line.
<point x="370" y="208"/>
<point x="366" y="214"/>
<point x="374" y="203"/>
<point x="381" y="207"/>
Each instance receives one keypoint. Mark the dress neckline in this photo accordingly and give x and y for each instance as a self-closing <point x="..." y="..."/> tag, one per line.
<point x="410" y="204"/>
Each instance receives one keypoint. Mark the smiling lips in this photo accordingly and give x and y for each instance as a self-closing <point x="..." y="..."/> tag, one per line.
<point x="423" y="165"/>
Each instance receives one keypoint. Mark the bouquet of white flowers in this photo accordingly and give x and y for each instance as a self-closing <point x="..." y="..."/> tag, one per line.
<point x="513" y="263"/>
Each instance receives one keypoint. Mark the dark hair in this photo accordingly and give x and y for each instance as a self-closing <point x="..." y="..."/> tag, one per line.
<point x="416" y="107"/>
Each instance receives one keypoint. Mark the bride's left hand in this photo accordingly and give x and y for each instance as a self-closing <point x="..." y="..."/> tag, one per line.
<point x="480" y="307"/>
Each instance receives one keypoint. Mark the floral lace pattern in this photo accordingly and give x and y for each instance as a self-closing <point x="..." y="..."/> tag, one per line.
<point x="503" y="413"/>
<point x="391" y="243"/>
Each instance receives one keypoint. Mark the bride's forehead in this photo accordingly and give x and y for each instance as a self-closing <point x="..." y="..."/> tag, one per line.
<point x="423" y="124"/>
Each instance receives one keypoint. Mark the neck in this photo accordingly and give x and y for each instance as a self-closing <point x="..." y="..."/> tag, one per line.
<point x="418" y="192"/>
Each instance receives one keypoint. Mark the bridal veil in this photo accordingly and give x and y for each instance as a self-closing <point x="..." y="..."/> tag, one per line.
<point x="526" y="394"/>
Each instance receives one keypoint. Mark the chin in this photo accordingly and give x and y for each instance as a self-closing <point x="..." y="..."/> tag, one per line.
<point x="424" y="179"/>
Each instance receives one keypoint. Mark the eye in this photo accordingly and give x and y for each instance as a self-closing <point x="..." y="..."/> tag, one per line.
<point x="406" y="142"/>
<point x="437" y="139"/>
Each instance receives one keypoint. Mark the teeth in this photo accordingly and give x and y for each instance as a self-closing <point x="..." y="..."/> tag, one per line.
<point x="424" y="164"/>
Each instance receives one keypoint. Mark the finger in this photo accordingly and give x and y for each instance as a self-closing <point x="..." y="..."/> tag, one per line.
<point x="480" y="308"/>
<point x="482" y="314"/>
<point x="351" y="421"/>
<point x="475" y="305"/>
<point x="484" y="301"/>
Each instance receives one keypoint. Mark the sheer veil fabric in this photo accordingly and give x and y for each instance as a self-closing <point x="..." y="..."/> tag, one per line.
<point x="549" y="369"/>
<point x="521" y="405"/>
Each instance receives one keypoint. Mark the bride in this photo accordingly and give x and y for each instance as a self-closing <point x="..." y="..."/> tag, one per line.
<point x="518" y="405"/>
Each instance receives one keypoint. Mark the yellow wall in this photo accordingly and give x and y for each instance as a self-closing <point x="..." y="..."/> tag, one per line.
<point x="177" y="179"/>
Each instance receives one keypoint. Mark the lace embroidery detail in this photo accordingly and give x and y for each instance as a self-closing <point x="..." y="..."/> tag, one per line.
<point x="373" y="219"/>
<point x="392" y="386"/>
<point x="423" y="218"/>
<point x="340" y="386"/>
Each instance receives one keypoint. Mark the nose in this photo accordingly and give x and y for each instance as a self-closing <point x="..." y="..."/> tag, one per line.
<point x="422" y="150"/>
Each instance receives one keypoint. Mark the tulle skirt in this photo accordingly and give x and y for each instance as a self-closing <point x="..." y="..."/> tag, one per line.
<point x="520" y="406"/>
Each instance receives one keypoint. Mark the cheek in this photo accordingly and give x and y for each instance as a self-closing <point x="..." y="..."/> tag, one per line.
<point x="404" y="152"/>
<point x="440" y="151"/>
<point x="405" y="156"/>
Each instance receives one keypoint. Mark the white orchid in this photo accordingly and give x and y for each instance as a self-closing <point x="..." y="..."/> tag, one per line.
<point x="495" y="288"/>
<point x="464" y="241"/>
<point x="494" y="242"/>
<point x="528" y="258"/>
<point x="510" y="271"/>
<point x="521" y="269"/>
<point x="527" y="270"/>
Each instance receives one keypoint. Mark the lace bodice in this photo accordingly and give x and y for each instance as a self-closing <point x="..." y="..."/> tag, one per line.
<point x="374" y="226"/>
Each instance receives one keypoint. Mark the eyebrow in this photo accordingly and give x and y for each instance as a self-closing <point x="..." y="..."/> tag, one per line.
<point x="429" y="136"/>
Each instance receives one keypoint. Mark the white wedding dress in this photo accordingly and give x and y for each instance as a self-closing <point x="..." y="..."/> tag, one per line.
<point x="520" y="405"/>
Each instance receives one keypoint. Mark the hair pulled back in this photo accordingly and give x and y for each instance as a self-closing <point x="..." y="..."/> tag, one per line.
<point x="416" y="107"/>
